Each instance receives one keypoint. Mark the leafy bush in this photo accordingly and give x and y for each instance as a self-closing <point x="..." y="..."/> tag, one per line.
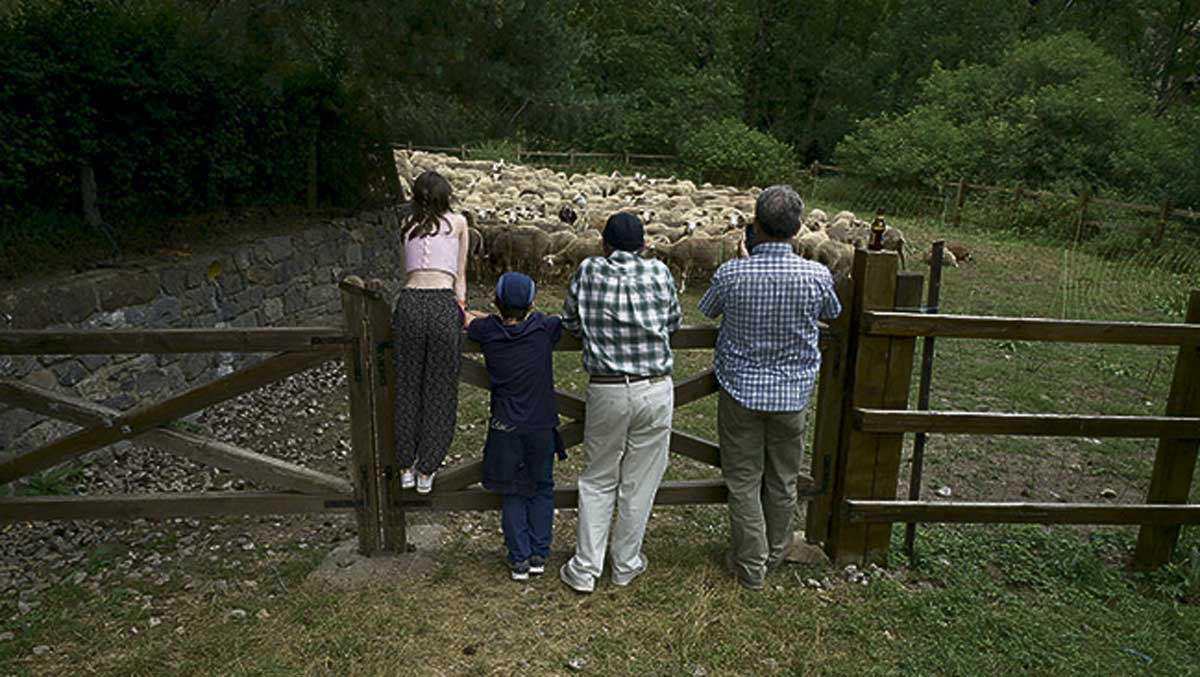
<point x="1058" y="109"/>
<point x="727" y="151"/>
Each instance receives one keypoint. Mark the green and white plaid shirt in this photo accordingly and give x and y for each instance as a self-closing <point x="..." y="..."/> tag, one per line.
<point x="624" y="308"/>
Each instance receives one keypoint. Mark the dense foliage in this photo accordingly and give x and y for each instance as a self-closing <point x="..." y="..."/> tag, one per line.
<point x="727" y="151"/>
<point x="189" y="105"/>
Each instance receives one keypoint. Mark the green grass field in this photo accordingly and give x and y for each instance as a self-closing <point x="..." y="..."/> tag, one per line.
<point x="976" y="600"/>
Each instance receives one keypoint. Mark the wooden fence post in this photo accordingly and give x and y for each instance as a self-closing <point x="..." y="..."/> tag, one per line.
<point x="383" y="401"/>
<point x="959" y="199"/>
<point x="359" y="361"/>
<point x="828" y="415"/>
<point x="1175" y="460"/>
<point x="1163" y="217"/>
<point x="874" y="289"/>
<point x="1084" y="199"/>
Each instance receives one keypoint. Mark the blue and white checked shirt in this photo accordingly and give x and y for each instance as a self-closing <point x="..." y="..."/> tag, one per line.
<point x="624" y="308"/>
<point x="767" y="356"/>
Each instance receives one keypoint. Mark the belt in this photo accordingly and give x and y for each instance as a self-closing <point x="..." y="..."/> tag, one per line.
<point x="623" y="378"/>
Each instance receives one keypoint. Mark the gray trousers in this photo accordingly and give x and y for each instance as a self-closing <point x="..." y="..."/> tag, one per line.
<point x="760" y="460"/>
<point x="626" y="442"/>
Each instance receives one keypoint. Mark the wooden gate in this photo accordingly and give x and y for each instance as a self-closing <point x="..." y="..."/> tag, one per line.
<point x="372" y="400"/>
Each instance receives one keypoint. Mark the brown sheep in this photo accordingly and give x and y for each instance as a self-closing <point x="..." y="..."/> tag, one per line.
<point x="518" y="248"/>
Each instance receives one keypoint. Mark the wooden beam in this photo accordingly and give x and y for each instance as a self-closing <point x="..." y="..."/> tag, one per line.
<point x="874" y="289"/>
<point x="360" y="361"/>
<point x="157" y="506"/>
<point x="392" y="523"/>
<point x="139" y="341"/>
<point x="996" y="423"/>
<point x="681" y="492"/>
<point x="457" y="477"/>
<point x="695" y="387"/>
<point x="1031" y="329"/>
<point x="895" y="396"/>
<point x="827" y="419"/>
<point x="696" y="448"/>
<point x="1019" y="513"/>
<point x="689" y="337"/>
<point x="143" y="419"/>
<point x="257" y="467"/>
<point x="572" y="433"/>
<point x="1175" y="459"/>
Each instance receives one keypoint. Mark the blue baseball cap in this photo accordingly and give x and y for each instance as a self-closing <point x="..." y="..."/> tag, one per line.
<point x="515" y="290"/>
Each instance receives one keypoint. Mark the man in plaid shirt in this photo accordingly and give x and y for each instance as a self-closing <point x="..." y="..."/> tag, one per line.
<point x="766" y="362"/>
<point x="624" y="308"/>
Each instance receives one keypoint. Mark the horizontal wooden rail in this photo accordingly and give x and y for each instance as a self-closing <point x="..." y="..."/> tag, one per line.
<point x="137" y="341"/>
<point x="143" y="419"/>
<point x="996" y="423"/>
<point x="879" y="323"/>
<point x="46" y="508"/>
<point x="680" y="492"/>
<point x="256" y="467"/>
<point x="1020" y="513"/>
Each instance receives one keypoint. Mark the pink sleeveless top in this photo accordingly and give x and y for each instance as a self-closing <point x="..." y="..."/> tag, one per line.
<point x="436" y="252"/>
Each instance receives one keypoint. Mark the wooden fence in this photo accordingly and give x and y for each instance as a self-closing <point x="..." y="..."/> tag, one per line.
<point x="860" y="419"/>
<point x="864" y="505"/>
<point x="571" y="156"/>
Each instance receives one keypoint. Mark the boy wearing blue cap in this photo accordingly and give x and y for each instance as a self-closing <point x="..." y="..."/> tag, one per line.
<point x="522" y="438"/>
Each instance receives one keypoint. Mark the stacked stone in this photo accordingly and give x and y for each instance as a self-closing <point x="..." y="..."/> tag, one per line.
<point x="283" y="280"/>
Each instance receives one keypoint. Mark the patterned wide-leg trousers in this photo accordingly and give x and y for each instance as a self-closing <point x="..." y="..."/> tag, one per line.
<point x="427" y="334"/>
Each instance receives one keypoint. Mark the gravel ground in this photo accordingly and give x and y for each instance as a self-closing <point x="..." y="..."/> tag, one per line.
<point x="303" y="419"/>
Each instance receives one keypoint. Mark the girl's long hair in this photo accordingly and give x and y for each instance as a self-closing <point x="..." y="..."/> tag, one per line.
<point x="431" y="199"/>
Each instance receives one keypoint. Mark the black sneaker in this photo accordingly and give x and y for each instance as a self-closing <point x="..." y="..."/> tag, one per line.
<point x="520" y="571"/>
<point x="537" y="565"/>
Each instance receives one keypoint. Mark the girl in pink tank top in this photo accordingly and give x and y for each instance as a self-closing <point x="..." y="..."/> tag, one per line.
<point x="427" y="331"/>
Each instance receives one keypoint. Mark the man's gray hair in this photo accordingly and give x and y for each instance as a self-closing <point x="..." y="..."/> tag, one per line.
<point x="778" y="211"/>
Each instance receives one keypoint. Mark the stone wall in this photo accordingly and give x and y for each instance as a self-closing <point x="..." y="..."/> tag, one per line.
<point x="284" y="280"/>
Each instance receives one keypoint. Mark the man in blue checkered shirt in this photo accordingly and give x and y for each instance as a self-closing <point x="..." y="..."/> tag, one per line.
<point x="766" y="362"/>
<point x="624" y="308"/>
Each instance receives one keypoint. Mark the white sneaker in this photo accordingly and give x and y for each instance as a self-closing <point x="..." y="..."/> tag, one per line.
<point x="424" y="483"/>
<point x="408" y="479"/>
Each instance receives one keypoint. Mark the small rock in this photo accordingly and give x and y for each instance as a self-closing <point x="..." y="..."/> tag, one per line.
<point x="1108" y="493"/>
<point x="24" y="607"/>
<point x="41" y="650"/>
<point x="155" y="621"/>
<point x="576" y="664"/>
<point x="262" y="614"/>
<point x="7" y="636"/>
<point x="79" y="577"/>
<point x="944" y="492"/>
<point x="237" y="614"/>
<point x="179" y="630"/>
<point x="813" y="583"/>
<point x="699" y="672"/>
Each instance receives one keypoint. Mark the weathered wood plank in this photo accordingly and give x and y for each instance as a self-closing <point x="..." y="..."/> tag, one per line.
<point x="392" y="522"/>
<point x="684" y="492"/>
<point x="862" y="511"/>
<point x="695" y="448"/>
<point x="827" y="417"/>
<point x="695" y="387"/>
<point x="1000" y="423"/>
<point x="457" y="477"/>
<point x="874" y="289"/>
<point x="360" y="367"/>
<point x="895" y="396"/>
<point x="138" y="341"/>
<point x="257" y="467"/>
<point x="158" y="506"/>
<point x="1031" y="329"/>
<point x="1175" y="459"/>
<point x="143" y="419"/>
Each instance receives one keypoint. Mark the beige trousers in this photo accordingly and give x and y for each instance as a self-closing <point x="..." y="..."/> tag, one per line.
<point x="625" y="449"/>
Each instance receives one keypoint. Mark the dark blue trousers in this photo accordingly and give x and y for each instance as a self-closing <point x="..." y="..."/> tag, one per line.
<point x="528" y="521"/>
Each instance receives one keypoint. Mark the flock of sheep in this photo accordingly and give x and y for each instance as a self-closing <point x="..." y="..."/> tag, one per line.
<point x="545" y="222"/>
